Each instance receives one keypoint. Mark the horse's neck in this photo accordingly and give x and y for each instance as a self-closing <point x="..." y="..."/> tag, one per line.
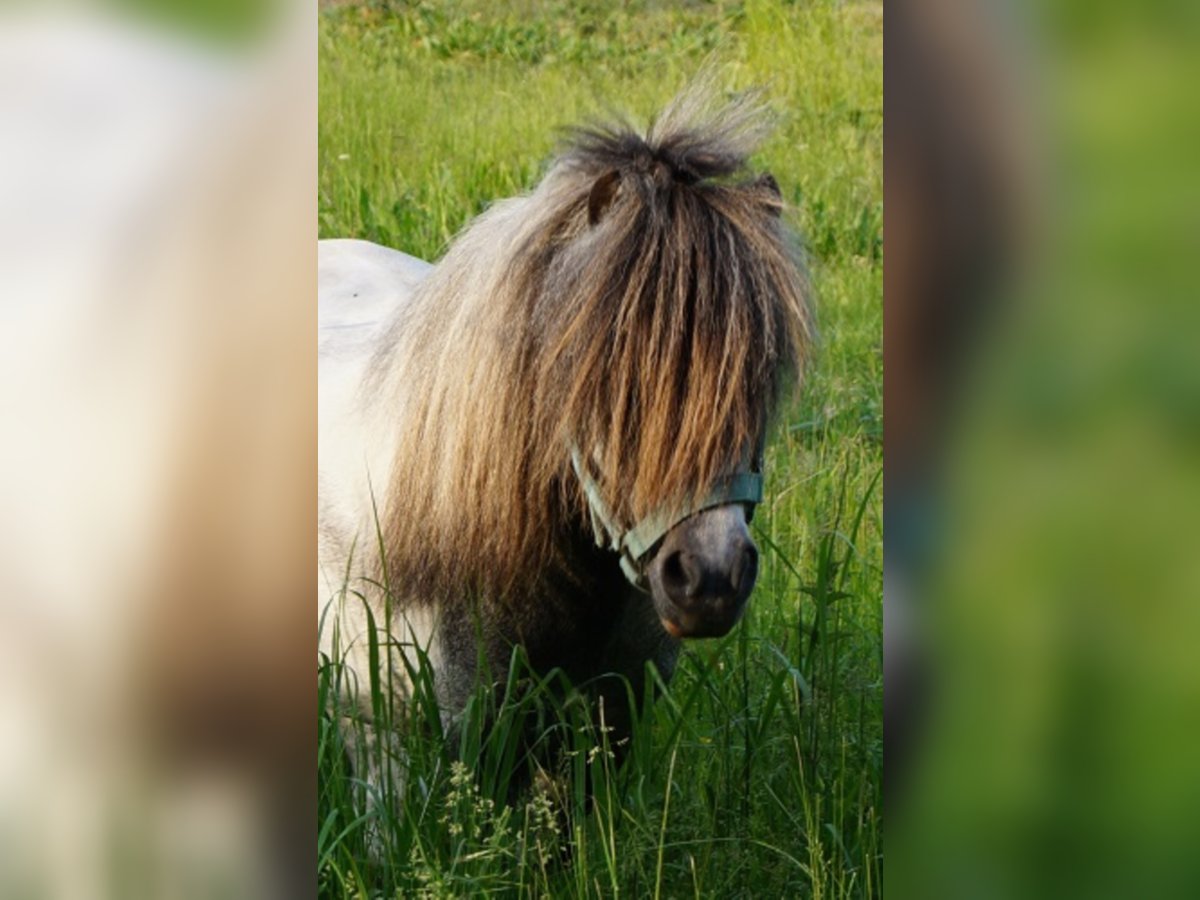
<point x="382" y="286"/>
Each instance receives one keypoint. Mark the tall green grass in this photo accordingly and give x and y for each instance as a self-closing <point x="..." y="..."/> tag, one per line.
<point x="757" y="771"/>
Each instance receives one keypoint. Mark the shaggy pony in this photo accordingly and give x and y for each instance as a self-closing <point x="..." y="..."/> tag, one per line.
<point x="645" y="306"/>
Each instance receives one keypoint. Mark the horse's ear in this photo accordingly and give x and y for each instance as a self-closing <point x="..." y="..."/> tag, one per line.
<point x="769" y="187"/>
<point x="602" y="194"/>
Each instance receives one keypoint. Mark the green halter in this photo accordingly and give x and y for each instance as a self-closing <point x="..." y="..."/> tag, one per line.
<point x="634" y="544"/>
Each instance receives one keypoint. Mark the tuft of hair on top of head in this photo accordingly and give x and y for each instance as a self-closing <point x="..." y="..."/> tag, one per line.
<point x="700" y="135"/>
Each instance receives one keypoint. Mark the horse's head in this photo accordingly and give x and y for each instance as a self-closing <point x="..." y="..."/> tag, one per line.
<point x="670" y="309"/>
<point x="667" y="308"/>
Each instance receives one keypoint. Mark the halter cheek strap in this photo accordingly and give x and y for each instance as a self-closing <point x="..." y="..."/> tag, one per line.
<point x="634" y="544"/>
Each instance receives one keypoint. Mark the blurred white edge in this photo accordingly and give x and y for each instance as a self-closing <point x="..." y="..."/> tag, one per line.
<point x="157" y="285"/>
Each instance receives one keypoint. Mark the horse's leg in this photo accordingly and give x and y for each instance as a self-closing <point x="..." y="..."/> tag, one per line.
<point x="370" y="714"/>
<point x="380" y="769"/>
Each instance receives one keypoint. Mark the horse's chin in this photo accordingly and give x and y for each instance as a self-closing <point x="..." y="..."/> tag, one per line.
<point x="706" y="629"/>
<point x="682" y="626"/>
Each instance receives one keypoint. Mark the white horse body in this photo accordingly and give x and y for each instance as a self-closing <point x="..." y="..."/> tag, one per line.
<point x="361" y="287"/>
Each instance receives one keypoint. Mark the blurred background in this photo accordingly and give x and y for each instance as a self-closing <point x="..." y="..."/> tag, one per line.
<point x="157" y="384"/>
<point x="1041" y="323"/>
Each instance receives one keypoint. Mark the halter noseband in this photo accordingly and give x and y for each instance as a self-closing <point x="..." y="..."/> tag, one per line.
<point x="634" y="544"/>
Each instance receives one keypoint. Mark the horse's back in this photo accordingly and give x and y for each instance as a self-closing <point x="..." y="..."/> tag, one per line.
<point x="359" y="286"/>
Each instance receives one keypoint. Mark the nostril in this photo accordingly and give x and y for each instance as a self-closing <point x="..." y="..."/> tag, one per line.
<point x="746" y="569"/>
<point x="672" y="568"/>
<point x="678" y="575"/>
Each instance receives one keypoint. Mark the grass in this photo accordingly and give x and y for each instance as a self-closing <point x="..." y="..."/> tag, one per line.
<point x="757" y="771"/>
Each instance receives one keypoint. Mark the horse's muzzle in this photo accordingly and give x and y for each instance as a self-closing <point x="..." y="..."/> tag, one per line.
<point x="703" y="573"/>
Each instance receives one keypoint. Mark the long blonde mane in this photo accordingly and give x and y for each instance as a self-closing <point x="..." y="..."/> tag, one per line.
<point x="645" y="303"/>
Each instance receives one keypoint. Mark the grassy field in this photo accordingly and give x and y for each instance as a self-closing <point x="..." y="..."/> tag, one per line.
<point x="758" y="772"/>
